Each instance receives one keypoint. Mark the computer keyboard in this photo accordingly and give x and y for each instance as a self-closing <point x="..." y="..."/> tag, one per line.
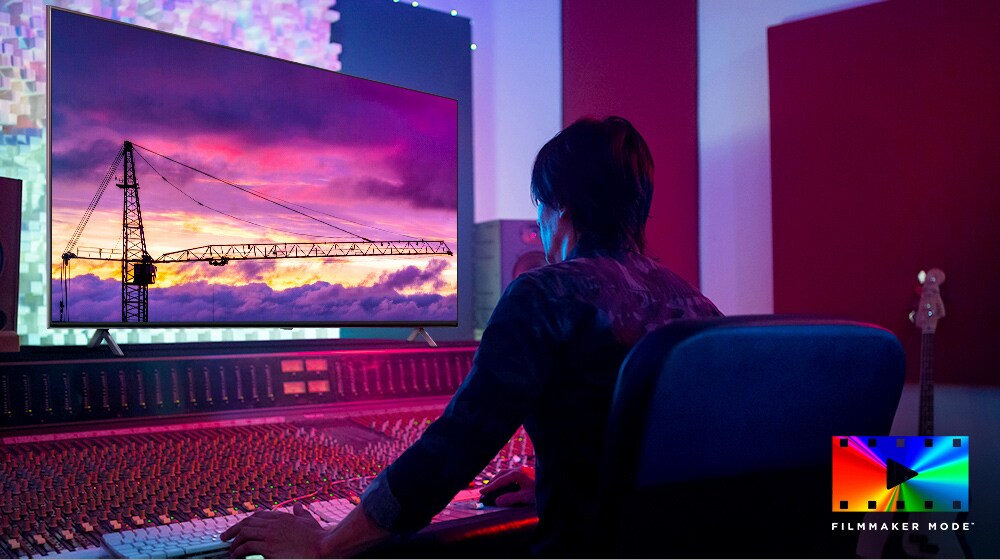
<point x="191" y="539"/>
<point x="199" y="538"/>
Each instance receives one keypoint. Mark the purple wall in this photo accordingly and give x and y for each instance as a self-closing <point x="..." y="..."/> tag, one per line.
<point x="638" y="59"/>
<point x="885" y="145"/>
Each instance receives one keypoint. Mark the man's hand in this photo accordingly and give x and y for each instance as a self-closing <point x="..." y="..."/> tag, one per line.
<point x="515" y="487"/>
<point x="276" y="535"/>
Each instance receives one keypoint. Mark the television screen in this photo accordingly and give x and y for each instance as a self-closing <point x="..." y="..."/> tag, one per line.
<point x="195" y="184"/>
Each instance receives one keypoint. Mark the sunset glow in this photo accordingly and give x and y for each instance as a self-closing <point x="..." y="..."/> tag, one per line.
<point x="233" y="148"/>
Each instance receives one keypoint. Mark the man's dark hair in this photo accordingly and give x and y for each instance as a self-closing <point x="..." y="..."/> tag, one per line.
<point x="600" y="171"/>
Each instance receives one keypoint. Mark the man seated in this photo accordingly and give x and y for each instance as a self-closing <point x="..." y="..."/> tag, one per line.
<point x="548" y="359"/>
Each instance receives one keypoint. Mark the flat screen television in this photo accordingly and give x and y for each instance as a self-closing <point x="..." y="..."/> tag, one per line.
<point x="193" y="184"/>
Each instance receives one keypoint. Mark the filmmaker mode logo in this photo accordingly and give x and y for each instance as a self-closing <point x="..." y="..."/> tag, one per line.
<point x="908" y="473"/>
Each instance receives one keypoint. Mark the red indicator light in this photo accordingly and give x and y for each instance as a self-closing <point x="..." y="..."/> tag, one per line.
<point x="317" y="364"/>
<point x="319" y="386"/>
<point x="294" y="387"/>
<point x="291" y="366"/>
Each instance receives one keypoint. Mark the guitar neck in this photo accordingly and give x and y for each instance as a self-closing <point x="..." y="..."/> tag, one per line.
<point x="927" y="384"/>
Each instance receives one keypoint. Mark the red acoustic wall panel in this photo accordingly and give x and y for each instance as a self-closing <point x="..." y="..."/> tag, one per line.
<point x="885" y="147"/>
<point x="639" y="59"/>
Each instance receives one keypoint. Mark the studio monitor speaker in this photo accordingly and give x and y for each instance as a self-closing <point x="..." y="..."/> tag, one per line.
<point x="503" y="250"/>
<point x="10" y="245"/>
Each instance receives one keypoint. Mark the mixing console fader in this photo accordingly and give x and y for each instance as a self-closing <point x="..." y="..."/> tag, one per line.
<point x="102" y="456"/>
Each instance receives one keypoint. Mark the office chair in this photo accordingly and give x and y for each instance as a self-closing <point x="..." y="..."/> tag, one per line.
<point x="719" y="439"/>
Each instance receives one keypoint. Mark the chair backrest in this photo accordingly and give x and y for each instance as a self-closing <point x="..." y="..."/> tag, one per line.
<point x="727" y="425"/>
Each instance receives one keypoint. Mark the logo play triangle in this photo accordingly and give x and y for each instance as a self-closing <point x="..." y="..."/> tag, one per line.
<point x="896" y="474"/>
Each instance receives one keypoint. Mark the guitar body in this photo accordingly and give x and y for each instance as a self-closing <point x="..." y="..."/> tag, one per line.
<point x="912" y="544"/>
<point x="939" y="544"/>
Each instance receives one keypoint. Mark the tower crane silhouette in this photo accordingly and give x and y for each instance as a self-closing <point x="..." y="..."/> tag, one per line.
<point x="138" y="268"/>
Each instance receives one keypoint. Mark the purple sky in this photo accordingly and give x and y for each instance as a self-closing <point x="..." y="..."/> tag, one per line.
<point x="341" y="149"/>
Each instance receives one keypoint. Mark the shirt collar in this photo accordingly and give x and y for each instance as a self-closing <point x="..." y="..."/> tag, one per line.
<point x="585" y="249"/>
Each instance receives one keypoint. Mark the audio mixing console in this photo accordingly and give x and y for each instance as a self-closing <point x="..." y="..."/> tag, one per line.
<point x="155" y="455"/>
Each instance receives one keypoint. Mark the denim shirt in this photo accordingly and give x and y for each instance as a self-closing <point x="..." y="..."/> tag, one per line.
<point x="548" y="359"/>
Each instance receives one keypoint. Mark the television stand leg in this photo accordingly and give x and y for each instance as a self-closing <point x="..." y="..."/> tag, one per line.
<point x="420" y="331"/>
<point x="104" y="335"/>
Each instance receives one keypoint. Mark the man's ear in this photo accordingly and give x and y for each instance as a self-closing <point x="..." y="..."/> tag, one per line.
<point x="564" y="212"/>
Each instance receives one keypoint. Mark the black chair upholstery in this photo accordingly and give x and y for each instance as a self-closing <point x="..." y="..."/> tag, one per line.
<point x="719" y="439"/>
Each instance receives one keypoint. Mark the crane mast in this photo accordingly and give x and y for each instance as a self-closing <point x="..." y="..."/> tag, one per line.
<point x="138" y="271"/>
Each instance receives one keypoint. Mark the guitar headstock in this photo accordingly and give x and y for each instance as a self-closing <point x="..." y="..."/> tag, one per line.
<point x="931" y="308"/>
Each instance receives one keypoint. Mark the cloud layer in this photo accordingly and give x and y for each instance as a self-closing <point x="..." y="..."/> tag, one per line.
<point x="396" y="296"/>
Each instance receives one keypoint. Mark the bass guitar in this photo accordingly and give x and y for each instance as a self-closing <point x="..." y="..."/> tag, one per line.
<point x="920" y="543"/>
<point x="930" y="310"/>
